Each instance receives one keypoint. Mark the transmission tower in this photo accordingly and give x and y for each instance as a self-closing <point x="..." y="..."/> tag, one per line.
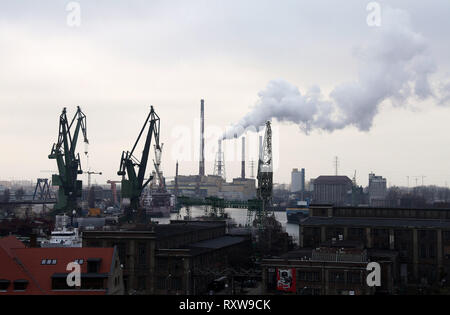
<point x="336" y="165"/>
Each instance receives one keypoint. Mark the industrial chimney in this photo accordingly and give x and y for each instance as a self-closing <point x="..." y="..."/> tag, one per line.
<point x="243" y="159"/>
<point x="202" y="139"/>
<point x="219" y="159"/>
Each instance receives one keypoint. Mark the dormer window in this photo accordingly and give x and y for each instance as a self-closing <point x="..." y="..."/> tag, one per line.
<point x="20" y="285"/>
<point x="93" y="265"/>
<point x="4" y="284"/>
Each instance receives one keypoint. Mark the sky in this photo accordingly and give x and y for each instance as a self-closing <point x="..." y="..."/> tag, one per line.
<point x="385" y="90"/>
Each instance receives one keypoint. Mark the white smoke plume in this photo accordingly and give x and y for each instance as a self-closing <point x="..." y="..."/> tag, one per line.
<point x="394" y="65"/>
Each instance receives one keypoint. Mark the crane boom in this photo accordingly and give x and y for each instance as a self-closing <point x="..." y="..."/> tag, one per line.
<point x="68" y="162"/>
<point x="133" y="186"/>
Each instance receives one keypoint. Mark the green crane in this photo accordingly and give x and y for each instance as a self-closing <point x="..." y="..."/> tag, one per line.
<point x="133" y="186"/>
<point x="69" y="165"/>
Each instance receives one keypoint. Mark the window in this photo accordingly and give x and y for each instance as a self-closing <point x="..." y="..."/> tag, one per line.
<point x="161" y="283"/>
<point x="337" y="277"/>
<point x="141" y="283"/>
<point x="423" y="251"/>
<point x="432" y="253"/>
<point x="177" y="283"/>
<point x="302" y="275"/>
<point x="353" y="277"/>
<point x="4" y="284"/>
<point x="60" y="284"/>
<point x="142" y="254"/>
<point x="20" y="285"/>
<point x="93" y="265"/>
<point x="92" y="284"/>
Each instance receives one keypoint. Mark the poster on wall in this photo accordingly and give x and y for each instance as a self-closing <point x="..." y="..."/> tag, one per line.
<point x="286" y="280"/>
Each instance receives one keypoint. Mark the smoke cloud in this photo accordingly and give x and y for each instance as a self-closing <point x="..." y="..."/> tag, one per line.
<point x="394" y="65"/>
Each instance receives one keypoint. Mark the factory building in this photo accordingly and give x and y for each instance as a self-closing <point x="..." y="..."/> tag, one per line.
<point x="176" y="258"/>
<point x="332" y="190"/>
<point x="334" y="268"/>
<point x="420" y="237"/>
<point x="242" y="189"/>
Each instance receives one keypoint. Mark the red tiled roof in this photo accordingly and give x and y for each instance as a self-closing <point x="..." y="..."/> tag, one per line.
<point x="26" y="263"/>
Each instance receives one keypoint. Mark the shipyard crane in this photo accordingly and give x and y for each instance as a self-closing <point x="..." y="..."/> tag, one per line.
<point x="257" y="208"/>
<point x="265" y="170"/>
<point x="133" y="183"/>
<point x="68" y="161"/>
<point x="89" y="176"/>
<point x="157" y="164"/>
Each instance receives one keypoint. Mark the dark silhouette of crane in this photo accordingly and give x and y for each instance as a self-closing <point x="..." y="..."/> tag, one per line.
<point x="68" y="162"/>
<point x="257" y="208"/>
<point x="133" y="185"/>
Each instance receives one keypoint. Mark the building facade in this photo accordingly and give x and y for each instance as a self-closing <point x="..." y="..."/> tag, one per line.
<point x="176" y="258"/>
<point x="332" y="190"/>
<point x="377" y="190"/>
<point x="420" y="237"/>
<point x="43" y="271"/>
<point x="334" y="268"/>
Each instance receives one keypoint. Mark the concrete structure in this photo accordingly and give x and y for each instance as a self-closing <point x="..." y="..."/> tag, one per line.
<point x="377" y="190"/>
<point x="420" y="237"/>
<point x="332" y="189"/>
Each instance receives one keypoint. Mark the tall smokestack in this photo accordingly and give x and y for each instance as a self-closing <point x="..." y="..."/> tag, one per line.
<point x="219" y="160"/>
<point x="243" y="159"/>
<point x="202" y="139"/>
<point x="260" y="147"/>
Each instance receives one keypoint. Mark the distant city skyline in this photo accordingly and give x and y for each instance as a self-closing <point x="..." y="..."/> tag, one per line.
<point x="118" y="62"/>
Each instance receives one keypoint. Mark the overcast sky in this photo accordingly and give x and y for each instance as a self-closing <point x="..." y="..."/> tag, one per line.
<point x="128" y="55"/>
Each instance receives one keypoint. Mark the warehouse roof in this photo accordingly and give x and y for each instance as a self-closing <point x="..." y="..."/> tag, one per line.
<point x="370" y="222"/>
<point x="332" y="180"/>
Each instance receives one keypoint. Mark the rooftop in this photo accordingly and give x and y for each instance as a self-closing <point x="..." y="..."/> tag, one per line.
<point x="380" y="222"/>
<point x="332" y="180"/>
<point x="39" y="265"/>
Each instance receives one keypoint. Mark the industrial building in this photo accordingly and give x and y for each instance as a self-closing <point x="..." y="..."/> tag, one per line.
<point x="334" y="268"/>
<point x="332" y="190"/>
<point x="176" y="258"/>
<point x="420" y="237"/>
<point x="214" y="186"/>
